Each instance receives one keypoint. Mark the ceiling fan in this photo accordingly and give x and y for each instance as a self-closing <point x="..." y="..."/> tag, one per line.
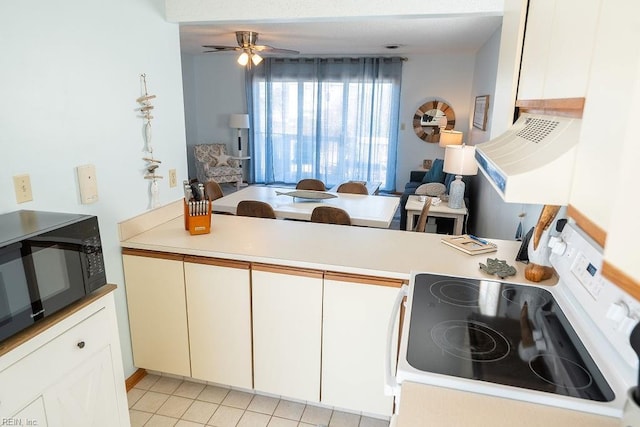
<point x="247" y="45"/>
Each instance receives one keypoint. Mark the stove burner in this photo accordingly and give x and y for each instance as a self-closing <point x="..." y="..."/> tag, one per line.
<point x="560" y="372"/>
<point x="534" y="297"/>
<point x="456" y="292"/>
<point x="470" y="340"/>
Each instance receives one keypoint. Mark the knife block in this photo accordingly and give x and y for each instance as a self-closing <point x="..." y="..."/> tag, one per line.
<point x="197" y="223"/>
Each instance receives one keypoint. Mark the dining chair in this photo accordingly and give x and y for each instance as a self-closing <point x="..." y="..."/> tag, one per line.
<point x="353" y="188"/>
<point x="330" y="215"/>
<point x="213" y="191"/>
<point x="256" y="209"/>
<point x="311" y="184"/>
<point x="422" y="219"/>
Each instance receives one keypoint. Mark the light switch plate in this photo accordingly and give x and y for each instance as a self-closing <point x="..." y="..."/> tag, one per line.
<point x="22" y="186"/>
<point x="88" y="184"/>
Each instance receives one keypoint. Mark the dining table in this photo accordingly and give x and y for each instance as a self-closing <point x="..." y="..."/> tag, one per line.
<point x="365" y="210"/>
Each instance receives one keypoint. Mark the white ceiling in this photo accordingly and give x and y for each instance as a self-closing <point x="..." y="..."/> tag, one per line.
<point x="423" y="35"/>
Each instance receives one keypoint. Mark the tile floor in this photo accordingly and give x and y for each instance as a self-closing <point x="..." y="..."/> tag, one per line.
<point x="158" y="401"/>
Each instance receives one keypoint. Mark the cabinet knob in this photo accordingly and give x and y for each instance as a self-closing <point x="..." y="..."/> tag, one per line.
<point x="80" y="344"/>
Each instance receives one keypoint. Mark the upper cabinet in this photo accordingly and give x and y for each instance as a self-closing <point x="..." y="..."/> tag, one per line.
<point x="558" y="48"/>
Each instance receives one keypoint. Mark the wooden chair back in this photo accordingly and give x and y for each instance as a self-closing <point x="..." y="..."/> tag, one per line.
<point x="353" y="188"/>
<point x="330" y="215"/>
<point x="421" y="226"/>
<point x="213" y="191"/>
<point x="311" y="184"/>
<point x="256" y="209"/>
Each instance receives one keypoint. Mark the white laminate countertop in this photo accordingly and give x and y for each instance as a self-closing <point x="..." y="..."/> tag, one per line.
<point x="346" y="249"/>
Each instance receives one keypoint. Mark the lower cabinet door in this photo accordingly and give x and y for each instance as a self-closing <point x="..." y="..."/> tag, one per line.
<point x="86" y="396"/>
<point x="32" y="415"/>
<point x="219" y="315"/>
<point x="287" y="322"/>
<point x="157" y="312"/>
<point x="356" y="312"/>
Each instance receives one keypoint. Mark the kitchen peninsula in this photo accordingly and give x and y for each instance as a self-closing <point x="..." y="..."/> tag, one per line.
<point x="281" y="307"/>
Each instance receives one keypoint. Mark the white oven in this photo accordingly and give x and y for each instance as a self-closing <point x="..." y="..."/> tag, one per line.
<point x="565" y="345"/>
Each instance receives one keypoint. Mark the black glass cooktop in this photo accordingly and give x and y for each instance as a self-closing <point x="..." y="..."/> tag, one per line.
<point x="501" y="333"/>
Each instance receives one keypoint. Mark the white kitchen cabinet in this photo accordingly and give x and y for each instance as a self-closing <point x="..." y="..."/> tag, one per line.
<point x="287" y="323"/>
<point x="356" y="311"/>
<point x="71" y="367"/>
<point x="219" y="315"/>
<point x="157" y="311"/>
<point x="558" y="48"/>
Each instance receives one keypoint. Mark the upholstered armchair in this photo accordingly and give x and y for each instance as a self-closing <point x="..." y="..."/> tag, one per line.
<point x="213" y="164"/>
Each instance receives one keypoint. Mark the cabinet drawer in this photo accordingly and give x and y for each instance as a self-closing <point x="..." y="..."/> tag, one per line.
<point x="28" y="377"/>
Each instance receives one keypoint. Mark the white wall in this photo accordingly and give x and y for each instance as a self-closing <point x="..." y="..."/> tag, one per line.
<point x="213" y="89"/>
<point x="443" y="77"/>
<point x="69" y="83"/>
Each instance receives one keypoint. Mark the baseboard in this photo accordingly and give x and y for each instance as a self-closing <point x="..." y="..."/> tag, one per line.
<point x="135" y="378"/>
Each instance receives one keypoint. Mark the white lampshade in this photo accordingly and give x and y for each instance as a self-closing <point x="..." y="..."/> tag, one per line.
<point x="243" y="59"/>
<point x="460" y="160"/>
<point x="256" y="59"/>
<point x="239" y="121"/>
<point x="450" y="137"/>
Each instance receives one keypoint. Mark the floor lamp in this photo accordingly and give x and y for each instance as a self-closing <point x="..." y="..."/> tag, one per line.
<point x="239" y="121"/>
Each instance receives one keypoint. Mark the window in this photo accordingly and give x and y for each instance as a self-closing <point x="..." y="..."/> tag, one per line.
<point x="331" y="119"/>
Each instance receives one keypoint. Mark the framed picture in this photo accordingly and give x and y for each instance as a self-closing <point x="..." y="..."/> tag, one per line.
<point x="480" y="112"/>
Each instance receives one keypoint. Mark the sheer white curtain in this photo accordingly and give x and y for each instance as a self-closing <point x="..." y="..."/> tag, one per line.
<point x="331" y="119"/>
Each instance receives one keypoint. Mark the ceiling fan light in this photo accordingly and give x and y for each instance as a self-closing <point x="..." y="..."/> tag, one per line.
<point x="243" y="59"/>
<point x="256" y="59"/>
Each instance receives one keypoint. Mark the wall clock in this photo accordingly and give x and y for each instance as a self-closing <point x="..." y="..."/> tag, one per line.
<point x="430" y="118"/>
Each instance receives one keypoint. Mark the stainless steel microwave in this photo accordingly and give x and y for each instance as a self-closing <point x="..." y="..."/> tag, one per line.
<point x="48" y="260"/>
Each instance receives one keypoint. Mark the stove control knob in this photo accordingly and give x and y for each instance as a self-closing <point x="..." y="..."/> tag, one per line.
<point x="627" y="324"/>
<point x="618" y="311"/>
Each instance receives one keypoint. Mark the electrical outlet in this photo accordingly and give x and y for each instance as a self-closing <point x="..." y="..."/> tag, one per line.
<point x="22" y="186"/>
<point x="173" y="179"/>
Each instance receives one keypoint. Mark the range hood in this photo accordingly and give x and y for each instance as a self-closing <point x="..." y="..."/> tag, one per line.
<point x="533" y="161"/>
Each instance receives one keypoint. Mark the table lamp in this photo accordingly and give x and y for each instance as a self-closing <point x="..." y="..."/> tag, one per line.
<point x="450" y="137"/>
<point x="459" y="160"/>
<point x="239" y="121"/>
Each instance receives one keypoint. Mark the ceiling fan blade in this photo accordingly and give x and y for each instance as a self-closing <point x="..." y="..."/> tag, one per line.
<point x="271" y="49"/>
<point x="217" y="48"/>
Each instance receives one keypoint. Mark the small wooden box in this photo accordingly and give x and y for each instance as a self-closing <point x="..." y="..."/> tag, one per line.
<point x="197" y="218"/>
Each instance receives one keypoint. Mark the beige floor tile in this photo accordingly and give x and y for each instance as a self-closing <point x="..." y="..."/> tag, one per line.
<point x="373" y="422"/>
<point x="344" y="419"/>
<point x="166" y="385"/>
<point x="238" y="399"/>
<point x="316" y="415"/>
<point x="175" y="406"/>
<point x="281" y="422"/>
<point x="263" y="404"/>
<point x="200" y="412"/>
<point x="138" y="418"/>
<point x="189" y="389"/>
<point x="307" y="425"/>
<point x="134" y="395"/>
<point x="289" y="410"/>
<point x="226" y="416"/>
<point x="146" y="382"/>
<point x="183" y="423"/>
<point x="254" y="419"/>
<point x="213" y="394"/>
<point x="150" y="402"/>
<point x="161" y="421"/>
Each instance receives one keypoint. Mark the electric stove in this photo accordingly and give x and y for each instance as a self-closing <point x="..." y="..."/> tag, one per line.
<point x="565" y="345"/>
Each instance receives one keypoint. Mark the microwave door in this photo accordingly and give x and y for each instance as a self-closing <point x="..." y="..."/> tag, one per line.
<point x="58" y="273"/>
<point x="18" y="296"/>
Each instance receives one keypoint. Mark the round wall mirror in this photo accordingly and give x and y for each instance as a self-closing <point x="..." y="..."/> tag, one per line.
<point x="430" y="118"/>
